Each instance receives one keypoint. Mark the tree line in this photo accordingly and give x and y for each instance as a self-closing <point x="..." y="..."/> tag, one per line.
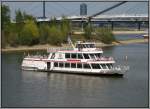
<point x="26" y="31"/>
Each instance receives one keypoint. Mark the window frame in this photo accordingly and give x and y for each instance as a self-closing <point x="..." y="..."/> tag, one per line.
<point x="73" y="67"/>
<point x="97" y="66"/>
<point x="72" y="56"/>
<point x="56" y="64"/>
<point x="62" y="65"/>
<point x="80" y="64"/>
<point x="87" y="55"/>
<point x="68" y="55"/>
<point x="68" y="64"/>
<point x="89" y="67"/>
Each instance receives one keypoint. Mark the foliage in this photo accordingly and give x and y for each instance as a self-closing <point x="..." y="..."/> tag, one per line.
<point x="19" y="16"/>
<point x="105" y="35"/>
<point x="88" y="32"/>
<point x="54" y="36"/>
<point x="12" y="37"/>
<point x="26" y="32"/>
<point x="5" y="22"/>
<point x="28" y="17"/>
<point x="53" y="22"/>
<point x="65" y="28"/>
<point x="43" y="31"/>
<point x="5" y="16"/>
<point x="29" y="34"/>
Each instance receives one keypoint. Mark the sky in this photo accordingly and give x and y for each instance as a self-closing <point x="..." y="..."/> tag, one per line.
<point x="58" y="9"/>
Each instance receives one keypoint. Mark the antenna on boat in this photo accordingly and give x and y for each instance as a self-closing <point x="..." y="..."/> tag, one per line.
<point x="70" y="41"/>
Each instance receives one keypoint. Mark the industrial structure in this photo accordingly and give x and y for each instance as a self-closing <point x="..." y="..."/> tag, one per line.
<point x="100" y="19"/>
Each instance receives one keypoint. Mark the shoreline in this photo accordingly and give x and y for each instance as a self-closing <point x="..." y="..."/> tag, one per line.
<point x="119" y="32"/>
<point x="46" y="46"/>
<point x="130" y="32"/>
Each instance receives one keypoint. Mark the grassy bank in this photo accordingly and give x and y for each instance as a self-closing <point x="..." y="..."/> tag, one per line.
<point x="45" y="46"/>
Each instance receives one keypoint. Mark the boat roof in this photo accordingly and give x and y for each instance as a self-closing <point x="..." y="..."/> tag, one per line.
<point x="71" y="50"/>
<point x="81" y="42"/>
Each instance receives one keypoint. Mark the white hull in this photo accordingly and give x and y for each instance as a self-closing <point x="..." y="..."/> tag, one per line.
<point x="78" y="71"/>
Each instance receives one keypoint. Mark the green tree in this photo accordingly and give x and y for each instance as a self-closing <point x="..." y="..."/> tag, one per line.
<point x="105" y="35"/>
<point x="29" y="34"/>
<point x="28" y="17"/>
<point x="53" y="22"/>
<point x="19" y="16"/>
<point x="88" y="32"/>
<point x="65" y="28"/>
<point x="54" y="36"/>
<point x="43" y="31"/>
<point x="5" y="22"/>
<point x="5" y="16"/>
<point x="12" y="35"/>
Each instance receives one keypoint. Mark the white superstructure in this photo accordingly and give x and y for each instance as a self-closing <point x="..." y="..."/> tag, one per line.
<point x="85" y="58"/>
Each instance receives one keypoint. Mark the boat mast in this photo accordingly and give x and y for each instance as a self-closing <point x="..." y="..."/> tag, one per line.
<point x="70" y="41"/>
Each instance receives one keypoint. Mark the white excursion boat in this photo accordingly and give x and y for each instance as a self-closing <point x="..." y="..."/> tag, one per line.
<point x="84" y="58"/>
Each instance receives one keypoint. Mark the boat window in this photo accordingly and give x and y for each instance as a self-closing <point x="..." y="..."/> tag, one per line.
<point x="80" y="56"/>
<point x="67" y="65"/>
<point x="73" y="65"/>
<point x="86" y="66"/>
<point x="83" y="46"/>
<point x="92" y="56"/>
<point x="79" y="65"/>
<point x="95" y="66"/>
<point x="73" y="55"/>
<point x="67" y="55"/>
<point x="92" y="45"/>
<point x="103" y="66"/>
<point x="55" y="64"/>
<point x="98" y="55"/>
<point x="87" y="45"/>
<point x="53" y="56"/>
<point x="86" y="56"/>
<point x="109" y="66"/>
<point x="61" y="64"/>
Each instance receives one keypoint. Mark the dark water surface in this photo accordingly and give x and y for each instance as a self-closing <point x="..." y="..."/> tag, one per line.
<point x="128" y="36"/>
<point x="40" y="89"/>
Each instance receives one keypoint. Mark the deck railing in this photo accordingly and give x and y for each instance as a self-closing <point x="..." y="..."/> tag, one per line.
<point x="104" y="59"/>
<point x="58" y="49"/>
<point x="37" y="56"/>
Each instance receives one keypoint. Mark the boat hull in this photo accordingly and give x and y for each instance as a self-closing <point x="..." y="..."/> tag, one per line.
<point x="100" y="73"/>
<point x="88" y="73"/>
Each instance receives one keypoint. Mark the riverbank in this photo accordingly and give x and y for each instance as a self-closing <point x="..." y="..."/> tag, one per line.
<point x="45" y="46"/>
<point x="118" y="32"/>
<point x="129" y="32"/>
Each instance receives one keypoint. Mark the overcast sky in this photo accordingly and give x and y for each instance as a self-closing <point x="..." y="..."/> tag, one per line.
<point x="58" y="9"/>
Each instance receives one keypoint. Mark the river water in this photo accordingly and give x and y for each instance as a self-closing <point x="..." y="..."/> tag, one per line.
<point x="41" y="89"/>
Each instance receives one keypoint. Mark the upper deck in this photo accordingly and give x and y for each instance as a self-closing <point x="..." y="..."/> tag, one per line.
<point x="80" y="47"/>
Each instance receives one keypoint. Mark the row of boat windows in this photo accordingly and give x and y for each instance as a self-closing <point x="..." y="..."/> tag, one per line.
<point x="82" y="56"/>
<point x="85" y="46"/>
<point x="80" y="65"/>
